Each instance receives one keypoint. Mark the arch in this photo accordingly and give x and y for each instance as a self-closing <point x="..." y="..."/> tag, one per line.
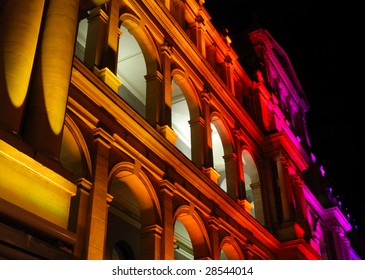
<point x="185" y="107"/>
<point x="230" y="249"/>
<point x="134" y="214"/>
<point x="196" y="230"/>
<point x="223" y="131"/>
<point x="252" y="184"/>
<point x="144" y="39"/>
<point x="188" y="91"/>
<point x="141" y="189"/>
<point x="74" y="155"/>
<point x="222" y="151"/>
<point x="138" y="59"/>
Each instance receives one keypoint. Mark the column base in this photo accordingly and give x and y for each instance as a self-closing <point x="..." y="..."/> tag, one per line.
<point x="211" y="173"/>
<point x="109" y="78"/>
<point x="245" y="204"/>
<point x="289" y="231"/>
<point x="167" y="132"/>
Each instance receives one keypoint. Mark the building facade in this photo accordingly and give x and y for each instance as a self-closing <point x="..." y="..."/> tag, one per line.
<point x="130" y="129"/>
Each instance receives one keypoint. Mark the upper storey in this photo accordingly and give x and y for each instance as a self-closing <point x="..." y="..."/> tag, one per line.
<point x="269" y="92"/>
<point x="275" y="70"/>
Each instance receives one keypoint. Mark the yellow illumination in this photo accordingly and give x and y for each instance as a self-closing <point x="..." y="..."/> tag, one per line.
<point x="33" y="187"/>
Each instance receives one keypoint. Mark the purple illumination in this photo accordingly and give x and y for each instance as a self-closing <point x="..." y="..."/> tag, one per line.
<point x="313" y="157"/>
<point x="322" y="170"/>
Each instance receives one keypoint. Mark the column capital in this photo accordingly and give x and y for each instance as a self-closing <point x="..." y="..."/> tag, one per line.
<point x="151" y="229"/>
<point x="166" y="47"/>
<point x="101" y="136"/>
<point x="167" y="188"/>
<point x="206" y="95"/>
<point x="157" y="75"/>
<point x="214" y="223"/>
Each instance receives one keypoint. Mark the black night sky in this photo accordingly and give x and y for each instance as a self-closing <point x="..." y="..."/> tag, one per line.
<point x="321" y="41"/>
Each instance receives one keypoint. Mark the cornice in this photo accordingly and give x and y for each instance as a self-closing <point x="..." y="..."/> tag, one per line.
<point x="294" y="87"/>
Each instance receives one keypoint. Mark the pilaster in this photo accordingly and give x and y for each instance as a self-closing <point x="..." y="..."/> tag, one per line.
<point x="167" y="192"/>
<point x="151" y="242"/>
<point x="97" y="213"/>
<point x="213" y="226"/>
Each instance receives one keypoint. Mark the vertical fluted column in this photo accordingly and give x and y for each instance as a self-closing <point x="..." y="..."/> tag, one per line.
<point x="97" y="214"/>
<point x="46" y="108"/>
<point x="167" y="243"/>
<point x="19" y="32"/>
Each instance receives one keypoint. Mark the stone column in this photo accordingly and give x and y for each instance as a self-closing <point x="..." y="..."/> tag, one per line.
<point x="271" y="197"/>
<point x="300" y="203"/>
<point x="256" y="106"/>
<point x="167" y="242"/>
<point x="208" y="145"/>
<point x="78" y="216"/>
<point x="163" y="103"/>
<point x="286" y="195"/>
<point x="229" y="74"/>
<point x="257" y="198"/>
<point x="98" y="209"/>
<point x="46" y="108"/>
<point x="106" y="69"/>
<point x="231" y="175"/>
<point x="197" y="33"/>
<point x="154" y="97"/>
<point x="20" y="24"/>
<point x="341" y="241"/>
<point x="241" y="189"/>
<point x="213" y="226"/>
<point x="166" y="98"/>
<point x="96" y="37"/>
<point x="109" y="58"/>
<point x="151" y="242"/>
<point x="197" y="127"/>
